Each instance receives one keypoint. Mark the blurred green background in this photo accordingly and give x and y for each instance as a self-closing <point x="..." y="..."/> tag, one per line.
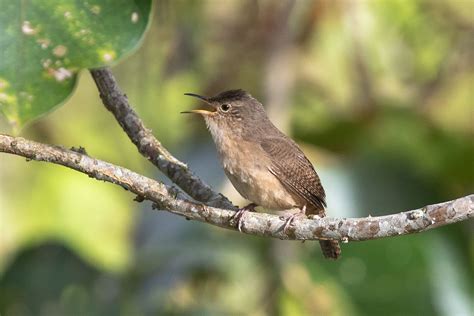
<point x="378" y="93"/>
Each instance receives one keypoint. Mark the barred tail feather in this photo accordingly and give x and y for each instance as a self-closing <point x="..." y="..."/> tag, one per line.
<point x="330" y="248"/>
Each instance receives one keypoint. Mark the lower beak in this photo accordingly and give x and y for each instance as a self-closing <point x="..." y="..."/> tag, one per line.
<point x="200" y="111"/>
<point x="203" y="112"/>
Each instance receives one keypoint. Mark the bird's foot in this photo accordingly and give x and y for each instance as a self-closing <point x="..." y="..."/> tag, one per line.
<point x="290" y="219"/>
<point x="239" y="214"/>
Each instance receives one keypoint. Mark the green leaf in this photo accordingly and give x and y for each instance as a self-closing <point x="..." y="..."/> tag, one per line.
<point x="44" y="44"/>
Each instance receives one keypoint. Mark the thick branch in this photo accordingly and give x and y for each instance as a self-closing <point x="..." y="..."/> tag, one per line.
<point x="261" y="224"/>
<point x="117" y="103"/>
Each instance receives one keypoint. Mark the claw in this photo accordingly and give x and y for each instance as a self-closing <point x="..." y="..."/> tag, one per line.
<point x="238" y="217"/>
<point x="289" y="221"/>
<point x="239" y="214"/>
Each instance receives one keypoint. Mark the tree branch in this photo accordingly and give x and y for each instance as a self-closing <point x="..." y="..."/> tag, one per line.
<point x="117" y="103"/>
<point x="261" y="224"/>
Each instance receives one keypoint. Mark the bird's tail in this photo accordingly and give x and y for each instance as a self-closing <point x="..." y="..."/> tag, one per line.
<point x="330" y="248"/>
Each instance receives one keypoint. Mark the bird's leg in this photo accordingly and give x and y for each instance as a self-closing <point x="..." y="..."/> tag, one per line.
<point x="289" y="221"/>
<point x="238" y="215"/>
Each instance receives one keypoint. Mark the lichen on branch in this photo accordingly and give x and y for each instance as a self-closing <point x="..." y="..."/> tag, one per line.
<point x="261" y="224"/>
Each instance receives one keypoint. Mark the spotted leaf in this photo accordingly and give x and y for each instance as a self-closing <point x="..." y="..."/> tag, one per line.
<point x="43" y="45"/>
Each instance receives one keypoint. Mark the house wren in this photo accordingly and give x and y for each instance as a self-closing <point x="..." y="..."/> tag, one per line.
<point x="265" y="166"/>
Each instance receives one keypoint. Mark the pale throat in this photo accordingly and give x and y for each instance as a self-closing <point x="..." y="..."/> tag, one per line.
<point x="228" y="142"/>
<point x="222" y="135"/>
<point x="217" y="133"/>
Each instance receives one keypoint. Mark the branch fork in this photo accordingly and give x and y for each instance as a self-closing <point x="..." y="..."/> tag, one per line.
<point x="212" y="207"/>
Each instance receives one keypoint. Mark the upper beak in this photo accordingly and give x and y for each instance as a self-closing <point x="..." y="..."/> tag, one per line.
<point x="200" y="111"/>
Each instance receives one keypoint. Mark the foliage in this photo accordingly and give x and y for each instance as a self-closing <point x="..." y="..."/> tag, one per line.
<point x="45" y="44"/>
<point x="378" y="92"/>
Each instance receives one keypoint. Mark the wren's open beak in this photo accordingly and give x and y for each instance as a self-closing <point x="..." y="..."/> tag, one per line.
<point x="201" y="111"/>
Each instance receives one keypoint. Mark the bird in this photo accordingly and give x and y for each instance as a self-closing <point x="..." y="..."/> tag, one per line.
<point x="264" y="165"/>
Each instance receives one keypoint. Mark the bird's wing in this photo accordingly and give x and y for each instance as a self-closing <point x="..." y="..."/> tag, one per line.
<point x="294" y="170"/>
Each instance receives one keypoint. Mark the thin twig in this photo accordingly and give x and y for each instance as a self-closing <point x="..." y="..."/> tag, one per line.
<point x="261" y="224"/>
<point x="117" y="103"/>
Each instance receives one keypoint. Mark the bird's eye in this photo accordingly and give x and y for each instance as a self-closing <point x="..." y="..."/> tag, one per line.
<point x="225" y="107"/>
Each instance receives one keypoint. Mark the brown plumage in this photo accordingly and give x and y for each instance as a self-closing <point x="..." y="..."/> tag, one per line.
<point x="264" y="165"/>
<point x="297" y="174"/>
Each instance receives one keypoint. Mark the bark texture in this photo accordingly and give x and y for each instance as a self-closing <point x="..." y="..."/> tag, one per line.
<point x="260" y="224"/>
<point x="117" y="103"/>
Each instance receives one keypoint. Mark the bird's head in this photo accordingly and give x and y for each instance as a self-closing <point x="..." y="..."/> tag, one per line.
<point x="232" y="110"/>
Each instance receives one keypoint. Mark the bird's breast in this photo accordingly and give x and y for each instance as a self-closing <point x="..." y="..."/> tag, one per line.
<point x="246" y="165"/>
